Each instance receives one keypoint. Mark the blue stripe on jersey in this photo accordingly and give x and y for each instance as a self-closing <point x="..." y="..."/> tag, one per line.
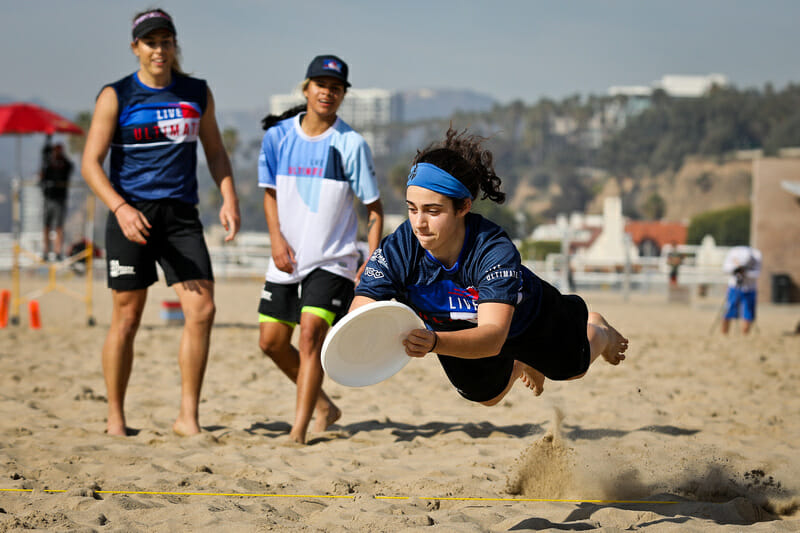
<point x="309" y="185"/>
<point x="334" y="166"/>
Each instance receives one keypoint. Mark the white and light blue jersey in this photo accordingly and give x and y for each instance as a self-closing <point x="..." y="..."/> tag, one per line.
<point x="316" y="179"/>
<point x="446" y="299"/>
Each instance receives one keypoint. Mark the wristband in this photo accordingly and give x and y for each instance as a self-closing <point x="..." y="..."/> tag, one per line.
<point x="114" y="211"/>
<point x="435" y="341"/>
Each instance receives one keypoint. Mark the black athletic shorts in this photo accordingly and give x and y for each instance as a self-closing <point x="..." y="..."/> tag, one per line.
<point x="55" y="210"/>
<point x="320" y="290"/>
<point x="176" y="243"/>
<point x="555" y="344"/>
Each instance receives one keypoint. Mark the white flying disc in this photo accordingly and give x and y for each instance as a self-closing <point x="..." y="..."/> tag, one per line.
<point x="366" y="346"/>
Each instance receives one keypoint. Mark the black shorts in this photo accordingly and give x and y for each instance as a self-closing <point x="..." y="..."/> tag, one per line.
<point x="319" y="290"/>
<point x="55" y="210"/>
<point x="176" y="243"/>
<point x="555" y="344"/>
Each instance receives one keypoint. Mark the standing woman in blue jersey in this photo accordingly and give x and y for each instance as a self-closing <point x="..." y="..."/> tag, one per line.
<point x="312" y="165"/>
<point x="489" y="319"/>
<point x="151" y="120"/>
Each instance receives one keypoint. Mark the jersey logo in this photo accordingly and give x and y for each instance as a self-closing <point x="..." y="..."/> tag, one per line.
<point x="160" y="123"/>
<point x="373" y="272"/>
<point x="379" y="258"/>
<point x="446" y="300"/>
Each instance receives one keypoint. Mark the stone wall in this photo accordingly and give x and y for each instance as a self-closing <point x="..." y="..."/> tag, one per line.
<point x="775" y="225"/>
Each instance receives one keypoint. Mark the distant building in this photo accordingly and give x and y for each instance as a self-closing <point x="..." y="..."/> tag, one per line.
<point x="635" y="91"/>
<point x="630" y="100"/>
<point x="278" y="103"/>
<point x="584" y="231"/>
<point x="677" y="85"/>
<point x="627" y="102"/>
<point x="689" y="86"/>
<point x="366" y="110"/>
<point x="611" y="247"/>
<point x="773" y="227"/>
<point x="424" y="104"/>
<point x="580" y="229"/>
<point x="651" y="236"/>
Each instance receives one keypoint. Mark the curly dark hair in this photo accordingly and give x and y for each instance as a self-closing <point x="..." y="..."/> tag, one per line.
<point x="461" y="155"/>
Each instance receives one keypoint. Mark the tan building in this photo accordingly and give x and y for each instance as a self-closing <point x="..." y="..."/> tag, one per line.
<point x="775" y="227"/>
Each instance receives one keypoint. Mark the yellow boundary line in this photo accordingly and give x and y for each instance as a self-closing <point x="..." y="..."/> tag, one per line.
<point x="334" y="496"/>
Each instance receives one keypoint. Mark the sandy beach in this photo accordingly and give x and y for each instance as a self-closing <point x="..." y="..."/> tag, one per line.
<point x="693" y="432"/>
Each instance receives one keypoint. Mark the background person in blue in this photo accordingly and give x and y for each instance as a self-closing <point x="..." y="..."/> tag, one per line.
<point x="311" y="166"/>
<point x="151" y="120"/>
<point x="743" y="264"/>
<point x="490" y="320"/>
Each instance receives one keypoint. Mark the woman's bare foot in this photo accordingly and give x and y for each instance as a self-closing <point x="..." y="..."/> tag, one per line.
<point x="297" y="438"/>
<point x="290" y="442"/>
<point x="325" y="417"/>
<point x="532" y="378"/>
<point x="186" y="428"/>
<point x="116" y="431"/>
<point x="616" y="345"/>
<point x="115" y="425"/>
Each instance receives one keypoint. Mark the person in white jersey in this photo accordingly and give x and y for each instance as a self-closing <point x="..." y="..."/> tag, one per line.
<point x="311" y="166"/>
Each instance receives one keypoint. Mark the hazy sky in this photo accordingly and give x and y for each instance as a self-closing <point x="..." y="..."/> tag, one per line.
<point x="63" y="51"/>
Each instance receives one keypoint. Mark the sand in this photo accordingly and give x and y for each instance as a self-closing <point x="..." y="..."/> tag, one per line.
<point x="693" y="432"/>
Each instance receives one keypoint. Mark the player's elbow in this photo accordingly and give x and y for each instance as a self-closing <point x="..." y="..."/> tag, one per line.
<point x="493" y="342"/>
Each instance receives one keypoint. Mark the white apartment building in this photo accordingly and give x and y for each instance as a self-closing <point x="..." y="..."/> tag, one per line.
<point x="677" y="85"/>
<point x="689" y="86"/>
<point x="366" y="110"/>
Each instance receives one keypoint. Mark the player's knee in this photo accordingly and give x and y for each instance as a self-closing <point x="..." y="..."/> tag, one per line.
<point x="202" y="313"/>
<point x="127" y="323"/>
<point x="311" y="338"/>
<point x="270" y="345"/>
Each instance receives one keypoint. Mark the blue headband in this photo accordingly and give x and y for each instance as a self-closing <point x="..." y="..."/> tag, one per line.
<point x="431" y="177"/>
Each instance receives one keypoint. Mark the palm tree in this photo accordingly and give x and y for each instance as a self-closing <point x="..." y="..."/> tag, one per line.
<point x="230" y="138"/>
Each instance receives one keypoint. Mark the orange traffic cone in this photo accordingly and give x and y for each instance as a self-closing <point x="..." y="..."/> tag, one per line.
<point x="5" y="301"/>
<point x="33" y="311"/>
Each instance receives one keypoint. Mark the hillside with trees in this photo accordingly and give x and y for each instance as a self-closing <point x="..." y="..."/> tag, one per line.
<point x="674" y="159"/>
<point x="669" y="158"/>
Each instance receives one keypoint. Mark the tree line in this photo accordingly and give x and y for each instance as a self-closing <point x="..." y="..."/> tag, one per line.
<point x="566" y="150"/>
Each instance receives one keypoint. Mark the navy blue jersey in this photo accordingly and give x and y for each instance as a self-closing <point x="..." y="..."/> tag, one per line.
<point x="488" y="269"/>
<point x="154" y="148"/>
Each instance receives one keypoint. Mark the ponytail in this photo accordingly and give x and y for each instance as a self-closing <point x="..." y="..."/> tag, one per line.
<point x="270" y="120"/>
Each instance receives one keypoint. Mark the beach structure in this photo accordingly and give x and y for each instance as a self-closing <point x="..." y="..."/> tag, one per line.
<point x="774" y="227"/>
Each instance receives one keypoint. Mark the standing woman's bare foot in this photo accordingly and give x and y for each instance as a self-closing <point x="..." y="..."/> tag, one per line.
<point x="115" y="425"/>
<point x="532" y="378"/>
<point x="117" y="431"/>
<point x="185" y="429"/>
<point x="616" y="345"/>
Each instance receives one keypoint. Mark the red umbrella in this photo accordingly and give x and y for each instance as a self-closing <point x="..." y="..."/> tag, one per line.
<point x="21" y="117"/>
<point x="24" y="118"/>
